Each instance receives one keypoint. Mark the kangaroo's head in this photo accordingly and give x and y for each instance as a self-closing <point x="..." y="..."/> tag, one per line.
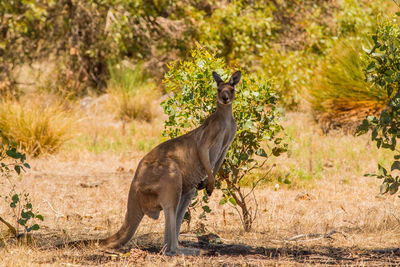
<point x="226" y="91"/>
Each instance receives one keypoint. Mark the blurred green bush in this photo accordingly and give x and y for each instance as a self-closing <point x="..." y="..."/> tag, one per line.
<point x="283" y="40"/>
<point x="340" y="95"/>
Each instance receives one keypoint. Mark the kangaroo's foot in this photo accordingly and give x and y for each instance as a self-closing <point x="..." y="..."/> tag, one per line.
<point x="184" y="251"/>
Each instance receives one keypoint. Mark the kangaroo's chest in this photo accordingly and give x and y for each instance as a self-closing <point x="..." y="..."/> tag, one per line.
<point x="221" y="142"/>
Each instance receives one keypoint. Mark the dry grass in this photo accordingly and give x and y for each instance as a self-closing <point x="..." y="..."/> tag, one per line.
<point x="340" y="95"/>
<point x="35" y="126"/>
<point x="99" y="130"/>
<point x="132" y="96"/>
<point x="88" y="191"/>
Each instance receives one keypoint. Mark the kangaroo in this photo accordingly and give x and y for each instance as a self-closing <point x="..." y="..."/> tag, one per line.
<point x="168" y="176"/>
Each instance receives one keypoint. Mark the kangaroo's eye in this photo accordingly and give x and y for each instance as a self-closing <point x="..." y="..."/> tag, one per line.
<point x="232" y="91"/>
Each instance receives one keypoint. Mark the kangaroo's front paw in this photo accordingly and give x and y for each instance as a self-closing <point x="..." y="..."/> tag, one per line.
<point x="210" y="188"/>
<point x="202" y="185"/>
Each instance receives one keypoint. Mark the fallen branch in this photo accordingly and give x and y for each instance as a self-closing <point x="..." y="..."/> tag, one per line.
<point x="196" y="237"/>
<point x="313" y="236"/>
<point x="10" y="227"/>
<point x="58" y="214"/>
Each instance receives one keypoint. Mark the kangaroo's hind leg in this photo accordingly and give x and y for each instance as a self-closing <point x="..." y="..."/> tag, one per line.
<point x="170" y="229"/>
<point x="182" y="207"/>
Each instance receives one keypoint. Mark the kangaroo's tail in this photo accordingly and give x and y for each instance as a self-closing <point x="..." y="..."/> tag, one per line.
<point x="134" y="215"/>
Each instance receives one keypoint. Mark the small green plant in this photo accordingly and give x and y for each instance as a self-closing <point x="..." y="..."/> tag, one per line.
<point x="383" y="72"/>
<point x="12" y="161"/>
<point x="254" y="111"/>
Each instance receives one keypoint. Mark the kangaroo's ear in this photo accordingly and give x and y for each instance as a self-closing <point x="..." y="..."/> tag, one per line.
<point x="235" y="79"/>
<point x="217" y="78"/>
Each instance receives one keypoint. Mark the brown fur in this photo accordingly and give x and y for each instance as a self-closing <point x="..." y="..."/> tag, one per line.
<point x="167" y="177"/>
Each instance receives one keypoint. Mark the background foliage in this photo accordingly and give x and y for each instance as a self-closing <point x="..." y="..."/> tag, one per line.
<point x="383" y="71"/>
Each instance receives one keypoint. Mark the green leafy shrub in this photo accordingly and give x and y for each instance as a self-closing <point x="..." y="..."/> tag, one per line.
<point x="237" y="31"/>
<point x="291" y="73"/>
<point x="23" y="213"/>
<point x="34" y="127"/>
<point x="383" y="72"/>
<point x="355" y="17"/>
<point x="254" y="111"/>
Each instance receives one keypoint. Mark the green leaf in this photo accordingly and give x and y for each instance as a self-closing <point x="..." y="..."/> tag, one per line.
<point x="206" y="209"/>
<point x="393" y="188"/>
<point x="232" y="201"/>
<point x="378" y="143"/>
<point x="40" y="217"/>
<point x="276" y="151"/>
<point x="261" y="152"/>
<point x="371" y="66"/>
<point x="187" y="216"/>
<point x="244" y="156"/>
<point x="374" y="134"/>
<point x="35" y="227"/>
<point x="12" y="153"/>
<point x="384" y="188"/>
<point x="395" y="166"/>
<point x="381" y="170"/>
<point x="287" y="181"/>
<point x="15" y="198"/>
<point x="27" y="165"/>
<point x="223" y="201"/>
<point x="17" y="168"/>
<point x="22" y="221"/>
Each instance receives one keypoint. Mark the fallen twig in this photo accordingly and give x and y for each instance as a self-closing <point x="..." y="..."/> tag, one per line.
<point x="314" y="236"/>
<point x="196" y="236"/>
<point x="58" y="214"/>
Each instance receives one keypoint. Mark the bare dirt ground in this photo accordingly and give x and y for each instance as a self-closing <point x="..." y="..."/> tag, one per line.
<point x="337" y="218"/>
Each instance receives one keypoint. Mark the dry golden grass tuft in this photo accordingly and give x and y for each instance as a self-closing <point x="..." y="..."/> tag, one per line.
<point x="35" y="126"/>
<point x="132" y="95"/>
<point x="334" y="217"/>
<point x="340" y="95"/>
<point x="139" y="105"/>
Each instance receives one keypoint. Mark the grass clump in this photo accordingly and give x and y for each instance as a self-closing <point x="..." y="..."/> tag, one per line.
<point x="340" y="96"/>
<point x="132" y="96"/>
<point x="34" y="127"/>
